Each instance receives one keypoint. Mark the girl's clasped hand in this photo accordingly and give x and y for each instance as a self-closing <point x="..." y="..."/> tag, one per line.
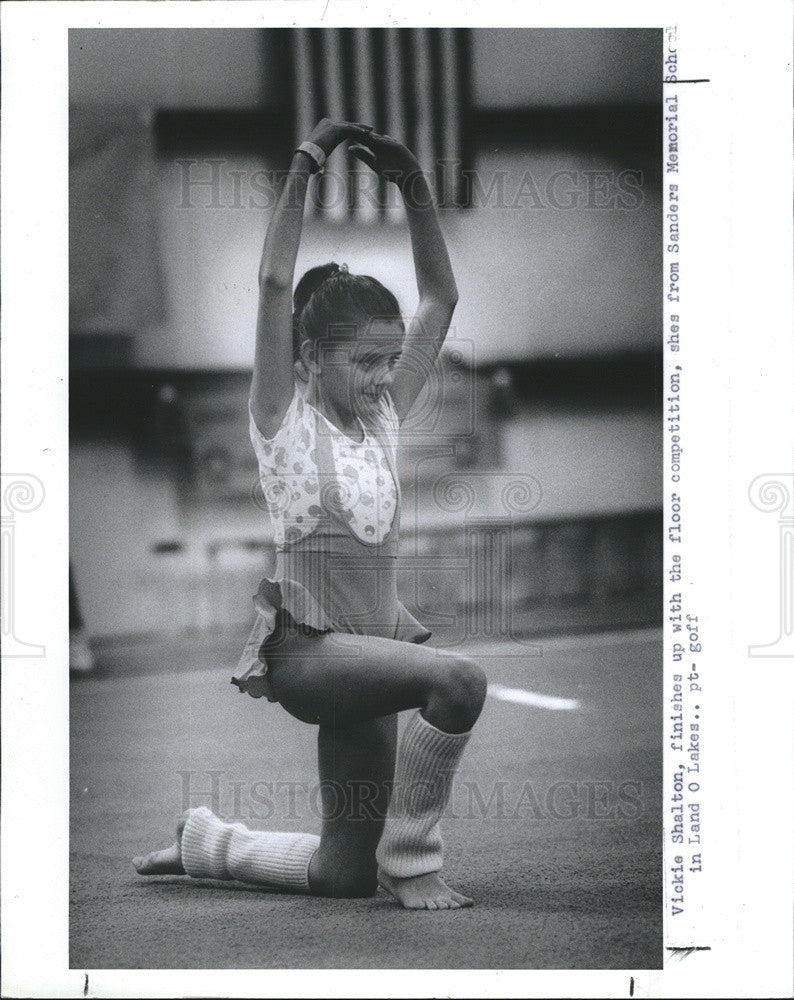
<point x="385" y="155"/>
<point x="329" y="134"/>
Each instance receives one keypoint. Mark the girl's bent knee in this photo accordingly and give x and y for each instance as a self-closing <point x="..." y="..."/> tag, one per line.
<point x="474" y="684"/>
<point x="464" y="687"/>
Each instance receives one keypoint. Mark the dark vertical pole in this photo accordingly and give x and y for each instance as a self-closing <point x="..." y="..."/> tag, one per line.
<point x="438" y="112"/>
<point x="277" y="91"/>
<point x="378" y="49"/>
<point x="408" y="99"/>
<point x="347" y="43"/>
<point x="464" y="68"/>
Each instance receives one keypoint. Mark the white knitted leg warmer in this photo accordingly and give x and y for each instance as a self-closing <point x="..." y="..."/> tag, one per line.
<point x="214" y="849"/>
<point x="426" y="761"/>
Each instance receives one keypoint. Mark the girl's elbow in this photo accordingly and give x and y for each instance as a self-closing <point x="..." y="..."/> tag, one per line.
<point x="446" y="296"/>
<point x="450" y="290"/>
<point x="270" y="281"/>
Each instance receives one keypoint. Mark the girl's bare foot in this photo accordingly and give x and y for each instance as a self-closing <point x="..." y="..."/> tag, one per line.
<point x="166" y="862"/>
<point x="424" y="892"/>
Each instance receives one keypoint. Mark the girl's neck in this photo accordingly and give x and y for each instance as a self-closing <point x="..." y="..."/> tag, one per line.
<point x="345" y="421"/>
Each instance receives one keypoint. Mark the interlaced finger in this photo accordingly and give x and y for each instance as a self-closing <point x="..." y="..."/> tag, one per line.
<point x="363" y="154"/>
<point x="355" y="128"/>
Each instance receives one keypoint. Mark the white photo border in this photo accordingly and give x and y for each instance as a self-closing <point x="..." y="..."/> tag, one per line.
<point x="735" y="197"/>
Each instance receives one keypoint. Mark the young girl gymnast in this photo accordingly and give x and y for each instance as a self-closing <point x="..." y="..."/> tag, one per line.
<point x="332" y="643"/>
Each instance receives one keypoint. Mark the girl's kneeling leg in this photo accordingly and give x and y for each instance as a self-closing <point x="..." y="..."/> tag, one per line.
<point x="344" y="681"/>
<point x="356" y="768"/>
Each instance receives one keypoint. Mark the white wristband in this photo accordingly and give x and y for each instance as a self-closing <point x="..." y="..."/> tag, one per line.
<point x="315" y="153"/>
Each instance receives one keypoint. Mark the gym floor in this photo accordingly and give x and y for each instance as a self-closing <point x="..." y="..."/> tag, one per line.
<point x="554" y="826"/>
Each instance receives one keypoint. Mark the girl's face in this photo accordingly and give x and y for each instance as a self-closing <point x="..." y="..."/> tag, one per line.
<point x="354" y="373"/>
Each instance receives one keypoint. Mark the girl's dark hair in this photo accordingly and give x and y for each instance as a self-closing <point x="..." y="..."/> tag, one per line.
<point x="329" y="296"/>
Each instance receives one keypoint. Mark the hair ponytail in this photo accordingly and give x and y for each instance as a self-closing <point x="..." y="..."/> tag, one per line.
<point x="310" y="282"/>
<point x="304" y="290"/>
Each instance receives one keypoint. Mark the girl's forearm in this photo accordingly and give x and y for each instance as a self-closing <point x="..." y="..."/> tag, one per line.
<point x="277" y="266"/>
<point x="434" y="276"/>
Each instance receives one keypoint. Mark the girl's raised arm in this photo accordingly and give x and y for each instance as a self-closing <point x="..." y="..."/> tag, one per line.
<point x="438" y="293"/>
<point x="272" y="385"/>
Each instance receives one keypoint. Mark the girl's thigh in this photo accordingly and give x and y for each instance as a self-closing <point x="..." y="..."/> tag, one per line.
<point x="338" y="679"/>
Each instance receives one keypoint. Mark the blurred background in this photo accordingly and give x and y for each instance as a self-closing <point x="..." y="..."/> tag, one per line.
<point x="533" y="495"/>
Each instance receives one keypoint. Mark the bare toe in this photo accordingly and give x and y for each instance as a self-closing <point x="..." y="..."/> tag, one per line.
<point x="423" y="892"/>
<point x="167" y="862"/>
